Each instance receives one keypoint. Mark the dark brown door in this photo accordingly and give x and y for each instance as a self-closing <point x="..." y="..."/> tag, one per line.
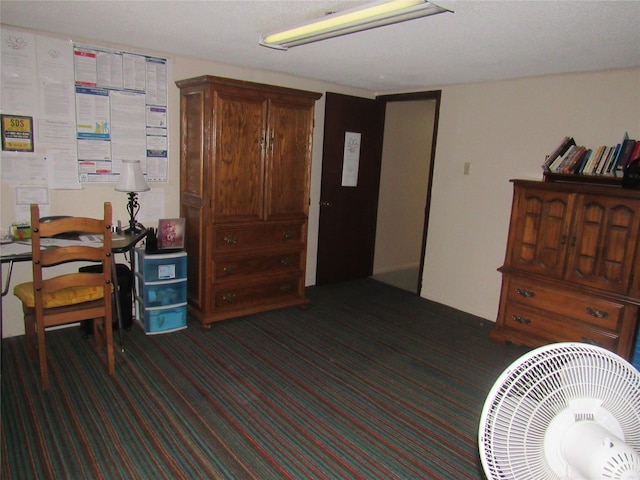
<point x="347" y="228"/>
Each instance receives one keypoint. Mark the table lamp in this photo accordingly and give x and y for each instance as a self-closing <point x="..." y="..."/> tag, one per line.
<point x="132" y="181"/>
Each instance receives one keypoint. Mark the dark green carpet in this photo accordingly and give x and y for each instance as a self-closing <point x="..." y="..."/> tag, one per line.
<point x="369" y="382"/>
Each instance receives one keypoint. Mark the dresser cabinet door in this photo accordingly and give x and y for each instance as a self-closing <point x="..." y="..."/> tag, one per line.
<point x="539" y="234"/>
<point x="603" y="243"/>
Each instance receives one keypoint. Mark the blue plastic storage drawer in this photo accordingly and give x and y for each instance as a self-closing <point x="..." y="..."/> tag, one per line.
<point x="163" y="320"/>
<point x="164" y="267"/>
<point x="165" y="294"/>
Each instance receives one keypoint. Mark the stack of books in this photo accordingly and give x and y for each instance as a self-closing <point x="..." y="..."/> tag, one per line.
<point x="570" y="158"/>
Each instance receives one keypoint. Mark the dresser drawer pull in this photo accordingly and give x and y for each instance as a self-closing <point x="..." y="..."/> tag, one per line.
<point x="286" y="261"/>
<point x="525" y="293"/>
<point x="229" y="297"/>
<point x="230" y="239"/>
<point x="230" y="269"/>
<point x="521" y="320"/>
<point x="597" y="313"/>
<point x="591" y="341"/>
<point x="287" y="234"/>
<point x="285" y="288"/>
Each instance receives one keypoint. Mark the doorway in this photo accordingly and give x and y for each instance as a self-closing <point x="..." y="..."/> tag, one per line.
<point x="404" y="184"/>
<point x="339" y="230"/>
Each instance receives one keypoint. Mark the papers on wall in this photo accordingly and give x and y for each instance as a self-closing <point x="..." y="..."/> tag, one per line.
<point x="92" y="107"/>
<point x="25" y="196"/>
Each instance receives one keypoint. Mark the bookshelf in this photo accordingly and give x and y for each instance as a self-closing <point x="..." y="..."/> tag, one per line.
<point x="576" y="178"/>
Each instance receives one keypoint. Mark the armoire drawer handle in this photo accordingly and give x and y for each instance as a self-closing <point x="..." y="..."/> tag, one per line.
<point x="230" y="269"/>
<point x="230" y="239"/>
<point x="591" y="341"/>
<point x="597" y="313"/>
<point x="525" y="293"/>
<point x="285" y="288"/>
<point x="521" y="320"/>
<point x="229" y="297"/>
<point x="287" y="234"/>
<point x="286" y="261"/>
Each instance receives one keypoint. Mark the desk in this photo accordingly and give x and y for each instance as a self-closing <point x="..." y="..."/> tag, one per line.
<point x="121" y="243"/>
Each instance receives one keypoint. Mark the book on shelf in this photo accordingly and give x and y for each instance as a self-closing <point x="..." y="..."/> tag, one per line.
<point x="636" y="151"/>
<point x="562" y="159"/>
<point x="599" y="167"/>
<point x="628" y="145"/>
<point x="569" y="165"/>
<point x="583" y="161"/>
<point x="593" y="160"/>
<point x="611" y="168"/>
<point x="559" y="151"/>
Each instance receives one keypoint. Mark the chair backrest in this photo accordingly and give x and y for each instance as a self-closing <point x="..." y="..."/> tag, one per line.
<point x="46" y="257"/>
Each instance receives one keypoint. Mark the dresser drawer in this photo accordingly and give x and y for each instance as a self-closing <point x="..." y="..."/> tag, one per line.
<point x="257" y="236"/>
<point x="599" y="312"/>
<point x="247" y="294"/>
<point x="235" y="267"/>
<point x="538" y="324"/>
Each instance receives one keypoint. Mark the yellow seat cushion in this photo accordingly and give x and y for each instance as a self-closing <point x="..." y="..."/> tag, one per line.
<point x="67" y="296"/>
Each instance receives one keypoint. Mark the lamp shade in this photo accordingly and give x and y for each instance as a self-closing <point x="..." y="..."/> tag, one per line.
<point x="131" y="177"/>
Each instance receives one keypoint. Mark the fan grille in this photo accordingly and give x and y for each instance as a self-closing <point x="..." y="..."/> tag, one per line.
<point x="544" y="384"/>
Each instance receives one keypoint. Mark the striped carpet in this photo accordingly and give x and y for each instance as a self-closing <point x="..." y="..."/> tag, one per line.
<point x="370" y="382"/>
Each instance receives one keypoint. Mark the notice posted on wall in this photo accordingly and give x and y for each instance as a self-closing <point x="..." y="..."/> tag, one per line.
<point x="121" y="112"/>
<point x="351" y="159"/>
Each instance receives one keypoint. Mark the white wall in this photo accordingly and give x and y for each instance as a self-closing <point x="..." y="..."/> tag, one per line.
<point x="505" y="129"/>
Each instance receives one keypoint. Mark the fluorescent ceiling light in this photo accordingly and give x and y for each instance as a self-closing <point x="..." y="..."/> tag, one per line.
<point x="365" y="17"/>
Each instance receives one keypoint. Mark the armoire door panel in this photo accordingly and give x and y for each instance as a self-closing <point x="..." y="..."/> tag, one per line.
<point x="288" y="150"/>
<point x="238" y="179"/>
<point x="193" y="134"/>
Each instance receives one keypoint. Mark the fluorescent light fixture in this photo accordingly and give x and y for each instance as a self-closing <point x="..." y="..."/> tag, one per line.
<point x="365" y="17"/>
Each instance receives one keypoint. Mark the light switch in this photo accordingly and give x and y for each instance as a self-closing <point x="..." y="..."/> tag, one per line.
<point x="467" y="167"/>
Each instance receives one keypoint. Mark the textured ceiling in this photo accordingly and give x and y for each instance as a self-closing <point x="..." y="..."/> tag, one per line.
<point x="480" y="41"/>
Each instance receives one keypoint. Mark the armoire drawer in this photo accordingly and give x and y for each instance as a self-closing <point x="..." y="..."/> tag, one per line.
<point x="540" y="324"/>
<point x="602" y="313"/>
<point x="235" y="267"/>
<point x="255" y="293"/>
<point x="257" y="236"/>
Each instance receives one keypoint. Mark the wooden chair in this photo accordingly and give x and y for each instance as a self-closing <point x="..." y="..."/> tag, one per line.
<point x="58" y="297"/>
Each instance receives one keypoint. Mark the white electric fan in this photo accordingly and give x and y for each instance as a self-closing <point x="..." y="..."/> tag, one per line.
<point x="563" y="411"/>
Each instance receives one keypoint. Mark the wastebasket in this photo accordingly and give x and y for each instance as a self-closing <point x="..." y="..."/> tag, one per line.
<point x="125" y="297"/>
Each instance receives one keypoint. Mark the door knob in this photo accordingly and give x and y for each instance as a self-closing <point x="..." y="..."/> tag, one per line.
<point x="324" y="203"/>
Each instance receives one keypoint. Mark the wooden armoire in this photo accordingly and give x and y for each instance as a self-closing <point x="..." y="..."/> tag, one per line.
<point x="245" y="158"/>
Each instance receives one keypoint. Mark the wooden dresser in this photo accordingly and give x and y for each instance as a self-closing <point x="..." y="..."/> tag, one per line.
<point x="570" y="270"/>
<point x="245" y="157"/>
